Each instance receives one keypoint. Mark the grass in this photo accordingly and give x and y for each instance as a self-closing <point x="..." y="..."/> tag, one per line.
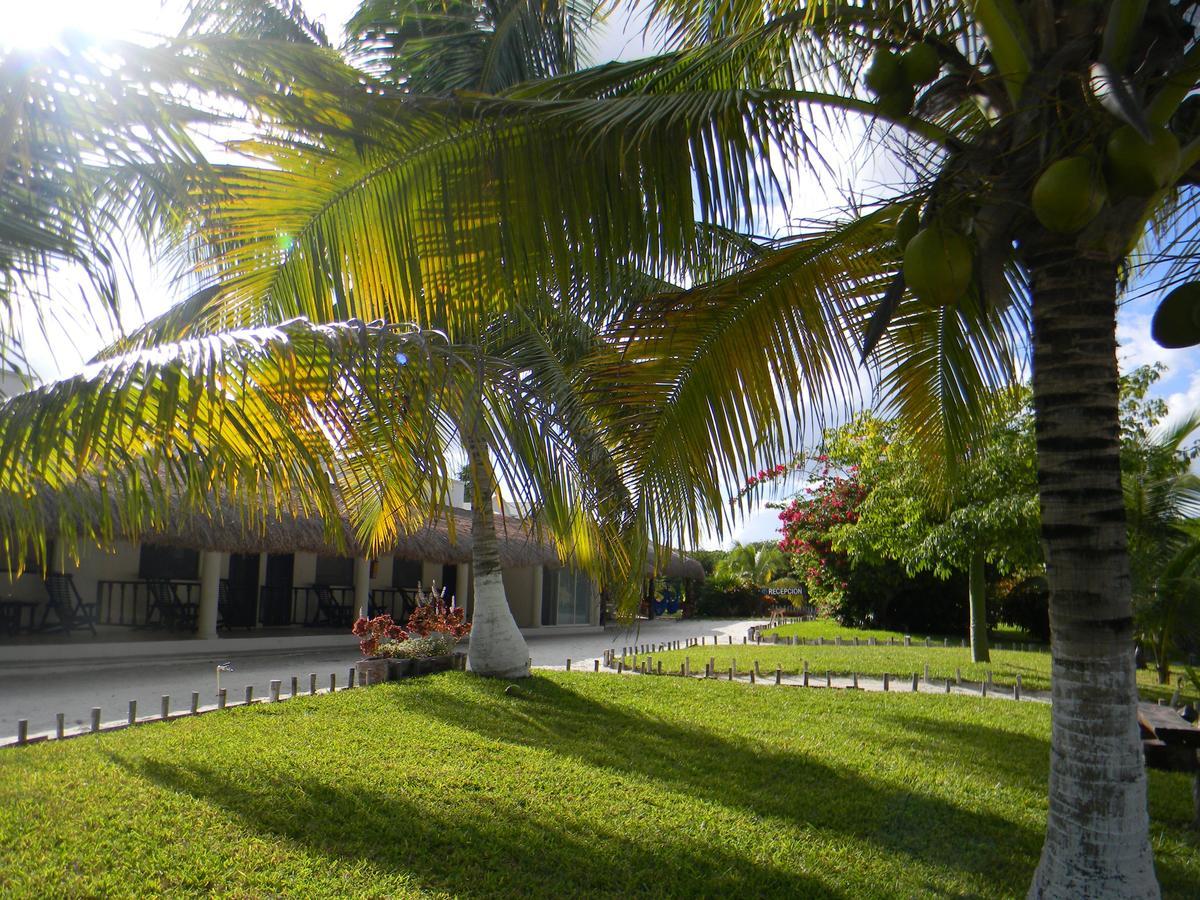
<point x="831" y="629"/>
<point x="569" y="785"/>
<point x="1005" y="665"/>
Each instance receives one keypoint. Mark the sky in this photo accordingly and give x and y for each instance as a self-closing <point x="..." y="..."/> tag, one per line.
<point x="69" y="340"/>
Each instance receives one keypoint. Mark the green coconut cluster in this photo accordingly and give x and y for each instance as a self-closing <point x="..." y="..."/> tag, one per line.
<point x="938" y="260"/>
<point x="895" y="77"/>
<point x="1071" y="191"/>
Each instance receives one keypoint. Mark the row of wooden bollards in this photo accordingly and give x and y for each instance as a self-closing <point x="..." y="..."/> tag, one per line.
<point x="194" y="708"/>
<point x="650" y="666"/>
<point x="754" y="635"/>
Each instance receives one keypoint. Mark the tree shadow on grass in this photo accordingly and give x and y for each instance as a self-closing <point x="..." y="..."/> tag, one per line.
<point x="795" y="788"/>
<point x="498" y="849"/>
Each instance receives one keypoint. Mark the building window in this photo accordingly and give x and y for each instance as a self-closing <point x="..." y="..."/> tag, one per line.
<point x="334" y="570"/>
<point x="566" y="597"/>
<point x="174" y="563"/>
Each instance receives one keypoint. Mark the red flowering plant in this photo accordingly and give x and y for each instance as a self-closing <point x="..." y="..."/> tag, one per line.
<point x="808" y="526"/>
<point x="766" y="475"/>
<point x="380" y="635"/>
<point x="434" y="627"/>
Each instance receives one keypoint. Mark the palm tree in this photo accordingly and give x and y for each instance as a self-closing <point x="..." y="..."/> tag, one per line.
<point x="1162" y="500"/>
<point x="758" y="566"/>
<point x="551" y="184"/>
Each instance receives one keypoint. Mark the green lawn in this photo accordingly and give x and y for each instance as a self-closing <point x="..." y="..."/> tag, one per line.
<point x="1005" y="665"/>
<point x="570" y="785"/>
<point x="830" y="629"/>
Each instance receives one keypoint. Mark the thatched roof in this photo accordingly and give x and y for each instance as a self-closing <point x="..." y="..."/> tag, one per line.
<point x="220" y="525"/>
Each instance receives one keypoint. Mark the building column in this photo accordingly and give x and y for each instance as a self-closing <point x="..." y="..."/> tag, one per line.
<point x="210" y="592"/>
<point x="538" y="577"/>
<point x="362" y="586"/>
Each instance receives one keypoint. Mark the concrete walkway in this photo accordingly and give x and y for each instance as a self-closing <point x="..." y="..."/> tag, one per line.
<point x="36" y="691"/>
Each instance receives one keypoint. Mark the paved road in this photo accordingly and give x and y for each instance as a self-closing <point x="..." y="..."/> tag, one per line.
<point x="38" y="691"/>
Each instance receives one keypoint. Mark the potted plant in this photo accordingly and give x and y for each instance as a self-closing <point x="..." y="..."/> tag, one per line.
<point x="379" y="638"/>
<point x="434" y="629"/>
<point x="424" y="645"/>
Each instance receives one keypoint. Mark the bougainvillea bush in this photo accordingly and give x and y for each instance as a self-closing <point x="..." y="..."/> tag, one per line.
<point x="808" y="527"/>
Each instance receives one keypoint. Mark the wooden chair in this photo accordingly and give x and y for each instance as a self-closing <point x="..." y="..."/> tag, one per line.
<point x="173" y="613"/>
<point x="329" y="611"/>
<point x="67" y="606"/>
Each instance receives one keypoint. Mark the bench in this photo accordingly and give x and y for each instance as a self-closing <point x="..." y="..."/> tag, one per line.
<point x="1171" y="742"/>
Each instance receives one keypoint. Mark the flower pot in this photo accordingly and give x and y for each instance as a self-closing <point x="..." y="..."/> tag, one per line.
<point x="399" y="668"/>
<point x="428" y="664"/>
<point x="371" y="671"/>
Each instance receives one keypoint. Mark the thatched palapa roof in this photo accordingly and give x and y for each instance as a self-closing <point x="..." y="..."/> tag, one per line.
<point x="219" y="526"/>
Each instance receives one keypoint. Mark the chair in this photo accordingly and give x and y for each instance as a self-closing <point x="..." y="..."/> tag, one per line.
<point x="173" y="613"/>
<point x="67" y="605"/>
<point x="329" y="610"/>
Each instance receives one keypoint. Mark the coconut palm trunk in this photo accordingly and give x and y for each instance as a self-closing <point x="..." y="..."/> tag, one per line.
<point x="1097" y="837"/>
<point x="496" y="646"/>
<point x="977" y="591"/>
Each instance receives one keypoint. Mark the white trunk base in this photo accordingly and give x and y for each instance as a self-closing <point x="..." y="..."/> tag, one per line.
<point x="496" y="647"/>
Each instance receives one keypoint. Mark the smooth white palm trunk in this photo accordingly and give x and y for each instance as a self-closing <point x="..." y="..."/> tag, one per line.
<point x="496" y="648"/>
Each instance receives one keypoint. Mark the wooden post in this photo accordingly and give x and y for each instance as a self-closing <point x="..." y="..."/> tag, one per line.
<point x="989" y="679"/>
<point x="757" y="671"/>
<point x="332" y="682"/>
<point x="660" y="667"/>
<point x="806" y="673"/>
<point x="195" y="708"/>
<point x="687" y="666"/>
<point x="752" y="677"/>
<point x="1017" y="689"/>
<point x="927" y="673"/>
<point x="731" y="673"/>
<point x="249" y="694"/>
<point x="947" y="685"/>
<point x="620" y="666"/>
<point x="828" y="679"/>
<point x="276" y="684"/>
<point x="132" y="712"/>
<point x="779" y="674"/>
<point x="95" y="718"/>
<point x="908" y="640"/>
<point x="58" y="725"/>
<point x="885" y="681"/>
<point x="958" y="676"/>
<point x="295" y="686"/>
<point x="914" y="682"/>
<point x="596" y="665"/>
<point x="22" y="731"/>
<point x="312" y="683"/>
<point x="222" y="694"/>
<point x="166" y="707"/>
<point x="945" y="642"/>
<point x="983" y="689"/>
<point x="854" y="680"/>
<point x="568" y="664"/>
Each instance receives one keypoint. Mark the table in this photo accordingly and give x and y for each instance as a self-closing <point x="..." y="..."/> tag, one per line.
<point x="12" y="615"/>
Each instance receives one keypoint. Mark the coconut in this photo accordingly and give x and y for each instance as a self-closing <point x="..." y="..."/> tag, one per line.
<point x="896" y="102"/>
<point x="920" y="64"/>
<point x="907" y="225"/>
<point x="1135" y="166"/>
<point x="1176" y="322"/>
<point x="885" y="74"/>
<point x="1068" y="195"/>
<point x="938" y="265"/>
